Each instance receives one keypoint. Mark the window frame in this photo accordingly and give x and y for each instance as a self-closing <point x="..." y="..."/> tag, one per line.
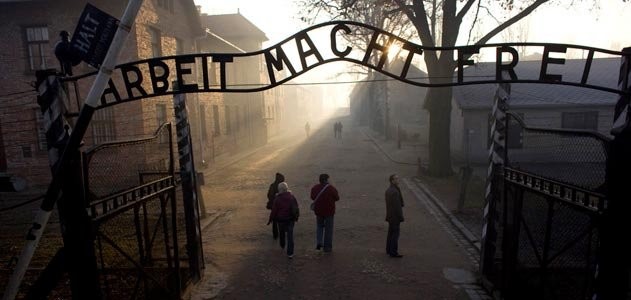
<point x="155" y="33"/>
<point x="40" y="44"/>
<point x="566" y="117"/>
<point x="103" y="126"/>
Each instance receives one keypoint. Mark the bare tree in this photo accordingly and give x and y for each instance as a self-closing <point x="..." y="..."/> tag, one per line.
<point x="436" y="23"/>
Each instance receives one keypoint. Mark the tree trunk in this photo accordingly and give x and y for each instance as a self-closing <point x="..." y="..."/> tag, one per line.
<point x="438" y="103"/>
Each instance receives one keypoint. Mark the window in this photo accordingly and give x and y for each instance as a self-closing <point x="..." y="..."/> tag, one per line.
<point x="41" y="132"/>
<point x="515" y="133"/>
<point x="202" y="121"/>
<point x="103" y="128"/>
<point x="37" y="47"/>
<point x="161" y="118"/>
<point x="156" y="42"/>
<point x="166" y="4"/>
<point x="217" y="130"/>
<point x="228" y="121"/>
<point x="580" y="120"/>
<point x="179" y="46"/>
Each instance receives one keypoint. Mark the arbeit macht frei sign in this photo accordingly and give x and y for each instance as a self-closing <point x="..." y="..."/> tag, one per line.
<point x="210" y="72"/>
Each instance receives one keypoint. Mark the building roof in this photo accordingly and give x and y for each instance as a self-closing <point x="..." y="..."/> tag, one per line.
<point x="232" y="26"/>
<point x="604" y="72"/>
<point x="194" y="19"/>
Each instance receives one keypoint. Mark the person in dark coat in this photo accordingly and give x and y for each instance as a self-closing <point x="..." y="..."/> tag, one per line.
<point x="271" y="194"/>
<point x="394" y="216"/>
<point x="285" y="212"/>
<point x="324" y="196"/>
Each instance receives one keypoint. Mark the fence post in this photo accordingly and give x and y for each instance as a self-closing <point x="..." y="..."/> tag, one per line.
<point x="189" y="190"/>
<point x="496" y="161"/>
<point x="612" y="279"/>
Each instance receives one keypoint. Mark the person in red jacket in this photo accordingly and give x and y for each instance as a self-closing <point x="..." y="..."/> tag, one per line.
<point x="324" y="196"/>
<point x="285" y="212"/>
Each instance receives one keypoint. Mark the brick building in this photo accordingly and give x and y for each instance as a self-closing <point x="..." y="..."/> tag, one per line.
<point x="163" y="27"/>
<point x="253" y="117"/>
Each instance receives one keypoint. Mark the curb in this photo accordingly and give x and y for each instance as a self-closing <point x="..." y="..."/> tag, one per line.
<point x="471" y="238"/>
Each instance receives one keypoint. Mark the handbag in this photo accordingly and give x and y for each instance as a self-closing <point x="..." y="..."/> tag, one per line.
<point x="312" y="206"/>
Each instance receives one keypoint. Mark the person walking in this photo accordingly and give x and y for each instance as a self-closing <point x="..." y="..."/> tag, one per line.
<point x="324" y="196"/>
<point x="271" y="194"/>
<point x="339" y="130"/>
<point x="335" y="128"/>
<point x="394" y="216"/>
<point x="285" y="212"/>
<point x="307" y="129"/>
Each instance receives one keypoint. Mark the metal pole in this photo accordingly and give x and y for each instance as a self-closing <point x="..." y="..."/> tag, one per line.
<point x="189" y="183"/>
<point x="90" y="104"/>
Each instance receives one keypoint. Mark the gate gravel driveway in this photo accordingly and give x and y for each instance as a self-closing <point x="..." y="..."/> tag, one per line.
<point x="244" y="262"/>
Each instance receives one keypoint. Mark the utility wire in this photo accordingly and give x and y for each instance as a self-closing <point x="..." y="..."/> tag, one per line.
<point x="40" y="197"/>
<point x="18" y="93"/>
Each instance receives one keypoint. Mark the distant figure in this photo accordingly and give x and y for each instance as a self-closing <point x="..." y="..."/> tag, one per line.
<point x="394" y="216"/>
<point x="339" y="130"/>
<point x="285" y="212"/>
<point x="307" y="128"/>
<point x="324" y="196"/>
<point x="335" y="129"/>
<point x="271" y="194"/>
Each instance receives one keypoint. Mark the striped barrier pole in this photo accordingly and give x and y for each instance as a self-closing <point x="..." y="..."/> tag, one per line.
<point x="613" y="262"/>
<point x="189" y="191"/>
<point x="50" y="98"/>
<point x="496" y="160"/>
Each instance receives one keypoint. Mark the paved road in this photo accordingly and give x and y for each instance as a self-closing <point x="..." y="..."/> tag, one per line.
<point x="244" y="262"/>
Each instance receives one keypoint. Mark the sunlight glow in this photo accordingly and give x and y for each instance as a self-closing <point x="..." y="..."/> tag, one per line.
<point x="393" y="51"/>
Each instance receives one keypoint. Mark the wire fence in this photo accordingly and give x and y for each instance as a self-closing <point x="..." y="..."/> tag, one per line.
<point x="554" y="186"/>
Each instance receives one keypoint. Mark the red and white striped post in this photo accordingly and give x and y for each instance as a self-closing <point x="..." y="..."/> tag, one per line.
<point x="189" y="186"/>
<point x="496" y="161"/>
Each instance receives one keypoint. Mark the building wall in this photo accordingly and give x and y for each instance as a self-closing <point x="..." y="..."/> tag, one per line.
<point x="476" y="144"/>
<point x="130" y="120"/>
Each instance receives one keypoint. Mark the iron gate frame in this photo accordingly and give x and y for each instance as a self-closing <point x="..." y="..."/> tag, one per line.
<point x="103" y="209"/>
<point x="515" y="182"/>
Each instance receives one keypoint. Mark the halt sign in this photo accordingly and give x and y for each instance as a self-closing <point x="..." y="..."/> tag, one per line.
<point x="93" y="35"/>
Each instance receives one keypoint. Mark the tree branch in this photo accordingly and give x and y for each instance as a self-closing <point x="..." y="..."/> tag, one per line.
<point x="465" y="9"/>
<point x="511" y="21"/>
<point x="475" y="20"/>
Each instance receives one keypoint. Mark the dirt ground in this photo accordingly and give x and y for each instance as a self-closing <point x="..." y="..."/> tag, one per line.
<point x="244" y="262"/>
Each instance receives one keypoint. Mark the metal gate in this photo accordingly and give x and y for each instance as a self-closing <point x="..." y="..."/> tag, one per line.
<point x="553" y="186"/>
<point x="131" y="189"/>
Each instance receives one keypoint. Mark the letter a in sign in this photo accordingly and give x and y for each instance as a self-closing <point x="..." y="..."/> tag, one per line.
<point x="93" y="35"/>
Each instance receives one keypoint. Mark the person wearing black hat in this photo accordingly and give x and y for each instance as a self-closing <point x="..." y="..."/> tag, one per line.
<point x="271" y="194"/>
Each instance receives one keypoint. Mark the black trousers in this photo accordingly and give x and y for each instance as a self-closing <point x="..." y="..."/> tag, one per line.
<point x="392" y="242"/>
<point x="275" y="229"/>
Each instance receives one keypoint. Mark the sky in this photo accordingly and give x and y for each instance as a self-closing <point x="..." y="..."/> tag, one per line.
<point x="608" y="27"/>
